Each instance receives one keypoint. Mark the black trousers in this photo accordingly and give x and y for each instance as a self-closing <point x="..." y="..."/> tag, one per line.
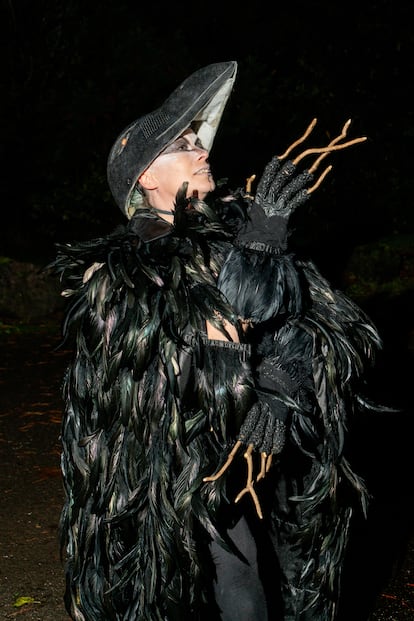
<point x="273" y="573"/>
<point x="248" y="581"/>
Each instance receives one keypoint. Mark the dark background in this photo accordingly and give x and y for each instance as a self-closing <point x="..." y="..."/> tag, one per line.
<point x="75" y="73"/>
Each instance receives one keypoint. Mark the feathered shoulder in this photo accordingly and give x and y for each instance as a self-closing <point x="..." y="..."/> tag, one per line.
<point x="147" y="275"/>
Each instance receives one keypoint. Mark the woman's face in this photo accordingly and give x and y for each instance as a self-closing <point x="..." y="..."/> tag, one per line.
<point x="184" y="160"/>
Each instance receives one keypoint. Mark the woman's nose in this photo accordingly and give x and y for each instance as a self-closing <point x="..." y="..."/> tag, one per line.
<point x="202" y="152"/>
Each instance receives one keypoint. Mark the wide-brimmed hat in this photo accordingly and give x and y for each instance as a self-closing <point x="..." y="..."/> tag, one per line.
<point x="199" y="101"/>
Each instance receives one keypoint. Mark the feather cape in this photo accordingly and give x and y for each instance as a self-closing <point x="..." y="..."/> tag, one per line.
<point x="151" y="407"/>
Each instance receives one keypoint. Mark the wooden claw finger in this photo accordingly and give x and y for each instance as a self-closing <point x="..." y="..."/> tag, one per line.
<point x="263" y="470"/>
<point x="248" y="457"/>
<point x="318" y="161"/>
<point x="342" y="134"/>
<point x="346" y="127"/>
<point x="328" y="149"/>
<point x="269" y="462"/>
<point x="324" y="151"/>
<point x="223" y="469"/>
<point x="320" y="180"/>
<point x="249" y="485"/>
<point x="249" y="489"/>
<point x="299" y="140"/>
<point x="249" y="182"/>
<point x="331" y="144"/>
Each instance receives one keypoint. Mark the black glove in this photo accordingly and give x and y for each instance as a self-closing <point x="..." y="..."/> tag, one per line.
<point x="282" y="189"/>
<point x="264" y="428"/>
<point x="265" y="425"/>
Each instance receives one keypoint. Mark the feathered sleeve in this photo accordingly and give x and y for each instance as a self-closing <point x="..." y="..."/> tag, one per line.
<point x="311" y="346"/>
<point x="276" y="295"/>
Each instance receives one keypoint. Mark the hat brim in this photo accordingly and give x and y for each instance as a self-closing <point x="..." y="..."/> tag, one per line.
<point x="199" y="101"/>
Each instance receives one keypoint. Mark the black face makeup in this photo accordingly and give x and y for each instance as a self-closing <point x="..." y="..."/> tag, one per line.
<point x="182" y="145"/>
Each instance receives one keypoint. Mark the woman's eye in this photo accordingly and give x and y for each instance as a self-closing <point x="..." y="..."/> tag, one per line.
<point x="179" y="145"/>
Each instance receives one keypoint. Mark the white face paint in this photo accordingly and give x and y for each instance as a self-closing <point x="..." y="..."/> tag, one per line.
<point x="184" y="160"/>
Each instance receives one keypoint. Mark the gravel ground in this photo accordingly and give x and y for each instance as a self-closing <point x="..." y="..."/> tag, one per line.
<point x="379" y="580"/>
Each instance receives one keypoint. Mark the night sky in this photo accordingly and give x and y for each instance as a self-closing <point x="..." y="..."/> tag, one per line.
<point x="76" y="73"/>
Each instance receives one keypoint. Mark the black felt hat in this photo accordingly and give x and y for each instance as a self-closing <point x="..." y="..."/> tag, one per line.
<point x="199" y="101"/>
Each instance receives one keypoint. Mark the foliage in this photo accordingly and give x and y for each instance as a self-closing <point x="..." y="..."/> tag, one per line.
<point x="384" y="268"/>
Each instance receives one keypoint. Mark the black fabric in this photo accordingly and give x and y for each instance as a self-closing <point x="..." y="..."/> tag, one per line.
<point x="249" y="578"/>
<point x="238" y="588"/>
<point x="263" y="232"/>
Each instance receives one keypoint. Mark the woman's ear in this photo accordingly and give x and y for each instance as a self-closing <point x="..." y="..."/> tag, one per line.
<point x="148" y="180"/>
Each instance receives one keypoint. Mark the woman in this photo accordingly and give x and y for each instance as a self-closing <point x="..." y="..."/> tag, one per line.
<point x="211" y="387"/>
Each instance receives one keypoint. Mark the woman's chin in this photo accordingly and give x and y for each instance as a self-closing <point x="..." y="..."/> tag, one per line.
<point x="201" y="192"/>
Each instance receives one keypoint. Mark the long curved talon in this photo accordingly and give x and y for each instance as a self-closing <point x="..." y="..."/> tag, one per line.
<point x="320" y="179"/>
<point x="249" y="183"/>
<point x="262" y="472"/>
<point x="223" y="469"/>
<point x="333" y="142"/>
<point x="249" y="489"/>
<point x="307" y="133"/>
<point x="328" y="149"/>
<point x="322" y="151"/>
<point x="265" y="463"/>
<point x="332" y="146"/>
